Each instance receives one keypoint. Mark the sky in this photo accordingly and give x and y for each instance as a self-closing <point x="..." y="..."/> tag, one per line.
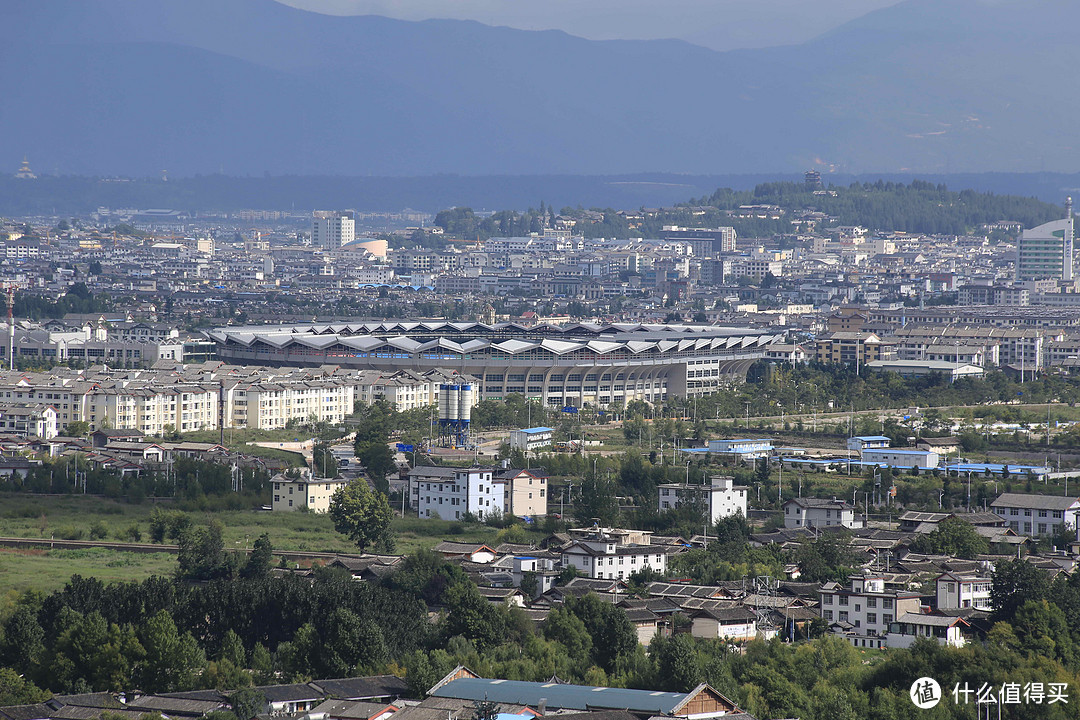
<point x="717" y="24"/>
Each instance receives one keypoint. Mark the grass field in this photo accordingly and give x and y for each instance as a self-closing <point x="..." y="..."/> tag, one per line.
<point x="22" y="516"/>
<point x="48" y="570"/>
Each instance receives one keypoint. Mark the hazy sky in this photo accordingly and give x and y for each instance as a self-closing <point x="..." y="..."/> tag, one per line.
<point x="719" y="24"/>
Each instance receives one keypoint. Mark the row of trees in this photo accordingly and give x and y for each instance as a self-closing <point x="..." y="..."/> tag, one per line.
<point x="162" y="635"/>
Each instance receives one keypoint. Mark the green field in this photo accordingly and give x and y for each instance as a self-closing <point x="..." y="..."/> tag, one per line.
<point x="47" y="570"/>
<point x="73" y="516"/>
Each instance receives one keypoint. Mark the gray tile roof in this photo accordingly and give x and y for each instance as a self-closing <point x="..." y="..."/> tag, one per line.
<point x="1033" y="502"/>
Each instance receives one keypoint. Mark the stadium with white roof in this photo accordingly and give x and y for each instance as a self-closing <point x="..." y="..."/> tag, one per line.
<point x="582" y="364"/>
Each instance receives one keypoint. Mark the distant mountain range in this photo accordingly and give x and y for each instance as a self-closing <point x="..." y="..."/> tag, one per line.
<point x="252" y="87"/>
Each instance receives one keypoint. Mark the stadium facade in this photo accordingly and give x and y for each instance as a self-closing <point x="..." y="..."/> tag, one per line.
<point x="584" y="364"/>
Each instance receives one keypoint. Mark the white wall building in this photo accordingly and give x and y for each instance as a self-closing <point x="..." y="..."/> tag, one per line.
<point x="1034" y="515"/>
<point x="330" y="229"/>
<point x="531" y="439"/>
<point x="449" y="493"/>
<point x="815" y="512"/>
<point x="864" y="612"/>
<point x="963" y="590"/>
<point x="721" y="497"/>
<point x="603" y="557"/>
<point x="892" y="457"/>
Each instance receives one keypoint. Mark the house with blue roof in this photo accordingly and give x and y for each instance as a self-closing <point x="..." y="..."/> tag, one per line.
<point x="868" y="442"/>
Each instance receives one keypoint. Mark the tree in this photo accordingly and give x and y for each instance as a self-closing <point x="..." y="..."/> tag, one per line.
<point x="247" y="703"/>
<point x="173" y="661"/>
<point x="201" y="553"/>
<point x="676" y="662"/>
<point x="378" y="460"/>
<point x="16" y="690"/>
<point x="77" y="428"/>
<point x="954" y="537"/>
<point x="1014" y="583"/>
<point x="258" y="563"/>
<point x="598" y="500"/>
<point x="360" y="514"/>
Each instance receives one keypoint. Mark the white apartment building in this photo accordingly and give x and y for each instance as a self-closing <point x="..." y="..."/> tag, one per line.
<point x="1035" y="515"/>
<point x="721" y="498"/>
<point x="815" y="512"/>
<point x="272" y="404"/>
<point x="291" y="494"/>
<point x="963" y="590"/>
<point x="863" y="613"/>
<point x="449" y="493"/>
<point x="28" y="420"/>
<point x="330" y="229"/>
<point x="604" y="557"/>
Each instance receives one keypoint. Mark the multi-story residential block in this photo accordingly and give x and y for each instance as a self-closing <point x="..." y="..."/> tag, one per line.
<point x="863" y="613"/>
<point x="1035" y="515"/>
<point x="330" y="230"/>
<point x="449" y="493"/>
<point x="721" y="498"/>
<point x="28" y="420"/>
<point x="963" y="590"/>
<point x="524" y="492"/>
<point x="851" y="348"/>
<point x="602" y="556"/>
<point x="306" y="492"/>
<point x="816" y="512"/>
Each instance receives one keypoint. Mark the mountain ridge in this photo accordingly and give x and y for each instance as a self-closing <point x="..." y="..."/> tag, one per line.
<point x="256" y="86"/>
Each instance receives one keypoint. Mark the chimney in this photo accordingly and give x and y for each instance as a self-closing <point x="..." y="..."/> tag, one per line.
<point x="542" y="706"/>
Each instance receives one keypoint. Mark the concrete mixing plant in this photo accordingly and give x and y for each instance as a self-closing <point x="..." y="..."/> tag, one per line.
<point x="455" y="414"/>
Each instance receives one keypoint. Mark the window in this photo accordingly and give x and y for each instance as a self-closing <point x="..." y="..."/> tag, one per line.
<point x="828" y="614"/>
<point x="843" y="616"/>
<point x="826" y="599"/>
<point x="887" y="603"/>
<point x="871" y="602"/>
<point x="843" y="600"/>
<point x="871" y="618"/>
<point x="886" y="619"/>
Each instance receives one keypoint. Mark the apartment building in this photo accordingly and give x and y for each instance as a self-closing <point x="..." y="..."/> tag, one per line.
<point x="602" y="556"/>
<point x="449" y="493"/>
<point x="266" y="405"/>
<point x="815" y="512"/>
<point x="721" y="498"/>
<point x="524" y="492"/>
<point x="850" y="348"/>
<point x="1035" y="515"/>
<point x="963" y="590"/>
<point x="28" y="420"/>
<point x="330" y="230"/>
<point x="863" y="612"/>
<point x="306" y="492"/>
